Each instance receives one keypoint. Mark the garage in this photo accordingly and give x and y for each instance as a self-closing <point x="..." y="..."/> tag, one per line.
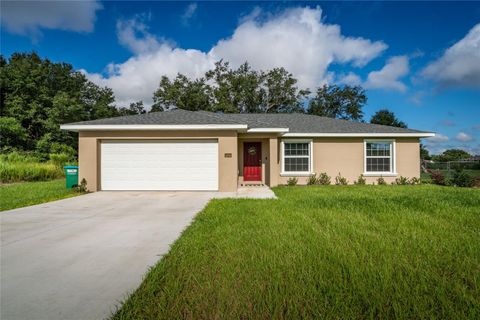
<point x="159" y="165"/>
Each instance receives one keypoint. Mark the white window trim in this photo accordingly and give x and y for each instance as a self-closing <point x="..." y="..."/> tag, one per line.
<point x="310" y="154"/>
<point x="393" y="161"/>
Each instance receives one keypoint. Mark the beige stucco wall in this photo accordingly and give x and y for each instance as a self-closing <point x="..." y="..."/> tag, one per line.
<point x="330" y="155"/>
<point x="346" y="156"/>
<point x="90" y="157"/>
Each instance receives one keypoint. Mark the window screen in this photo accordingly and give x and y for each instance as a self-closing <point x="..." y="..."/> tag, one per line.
<point x="296" y="156"/>
<point x="379" y="156"/>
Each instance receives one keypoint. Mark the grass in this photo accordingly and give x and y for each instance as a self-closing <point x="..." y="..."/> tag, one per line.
<point x="328" y="252"/>
<point x="29" y="171"/>
<point x="29" y="193"/>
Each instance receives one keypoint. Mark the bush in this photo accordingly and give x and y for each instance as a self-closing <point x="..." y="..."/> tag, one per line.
<point x="323" y="179"/>
<point x="438" y="177"/>
<point x="402" y="181"/>
<point x="381" y="181"/>
<point x="312" y="180"/>
<point x="462" y="179"/>
<point x="292" y="181"/>
<point x="361" y="180"/>
<point x="415" y="181"/>
<point x="339" y="180"/>
<point x="476" y="182"/>
<point x="82" y="187"/>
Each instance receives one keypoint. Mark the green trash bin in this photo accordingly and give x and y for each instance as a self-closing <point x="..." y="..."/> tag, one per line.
<point x="71" y="174"/>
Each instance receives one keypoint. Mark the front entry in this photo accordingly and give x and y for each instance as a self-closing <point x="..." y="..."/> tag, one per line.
<point x="252" y="161"/>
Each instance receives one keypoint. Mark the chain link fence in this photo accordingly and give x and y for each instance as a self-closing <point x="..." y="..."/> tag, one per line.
<point x="472" y="167"/>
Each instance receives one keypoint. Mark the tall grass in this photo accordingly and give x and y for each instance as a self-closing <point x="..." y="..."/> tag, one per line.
<point x="16" y="167"/>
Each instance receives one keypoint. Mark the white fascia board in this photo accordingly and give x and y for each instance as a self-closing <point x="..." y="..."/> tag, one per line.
<point x="103" y="127"/>
<point x="363" y="135"/>
<point x="278" y="130"/>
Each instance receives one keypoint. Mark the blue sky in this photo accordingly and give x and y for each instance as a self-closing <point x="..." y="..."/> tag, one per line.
<point x="418" y="59"/>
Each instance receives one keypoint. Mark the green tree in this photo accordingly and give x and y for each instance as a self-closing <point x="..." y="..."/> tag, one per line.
<point x="452" y="155"/>
<point x="228" y="90"/>
<point x="133" y="109"/>
<point x="12" y="135"/>
<point x="280" y="93"/>
<point x="338" y="102"/>
<point x="182" y="93"/>
<point x="387" y="118"/>
<point x="41" y="95"/>
<point x="234" y="91"/>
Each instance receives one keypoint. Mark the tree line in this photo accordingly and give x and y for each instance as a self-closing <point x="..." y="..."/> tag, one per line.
<point x="37" y="95"/>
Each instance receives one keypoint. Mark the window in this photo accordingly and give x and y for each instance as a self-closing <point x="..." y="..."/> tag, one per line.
<point x="379" y="157"/>
<point x="297" y="157"/>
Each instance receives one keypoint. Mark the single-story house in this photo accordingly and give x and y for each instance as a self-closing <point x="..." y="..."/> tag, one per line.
<point x="199" y="150"/>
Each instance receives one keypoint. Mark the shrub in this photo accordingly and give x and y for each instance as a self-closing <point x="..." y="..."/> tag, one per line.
<point x="312" y="180"/>
<point x="292" y="181"/>
<point x="339" y="180"/>
<point x="381" y="181"/>
<point x="82" y="187"/>
<point x="462" y="179"/>
<point x="361" y="180"/>
<point x="415" y="181"/>
<point x="438" y="177"/>
<point x="476" y="182"/>
<point x="402" y="181"/>
<point x="323" y="179"/>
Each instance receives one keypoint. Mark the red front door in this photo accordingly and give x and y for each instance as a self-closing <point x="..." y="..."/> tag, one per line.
<point x="252" y="161"/>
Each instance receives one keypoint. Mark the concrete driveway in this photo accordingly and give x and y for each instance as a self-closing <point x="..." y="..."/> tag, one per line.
<point x="78" y="258"/>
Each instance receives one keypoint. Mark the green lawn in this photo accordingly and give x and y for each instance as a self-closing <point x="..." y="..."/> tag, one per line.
<point x="335" y="252"/>
<point x="29" y="193"/>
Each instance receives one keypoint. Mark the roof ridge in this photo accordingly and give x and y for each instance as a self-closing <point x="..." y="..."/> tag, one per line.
<point x="225" y="115"/>
<point x="214" y="115"/>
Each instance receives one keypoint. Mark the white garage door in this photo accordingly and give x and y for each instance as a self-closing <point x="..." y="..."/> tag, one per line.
<point x="159" y="165"/>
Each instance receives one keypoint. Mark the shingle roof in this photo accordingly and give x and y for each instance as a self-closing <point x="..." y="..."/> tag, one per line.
<point x="172" y="117"/>
<point x="306" y="123"/>
<point x="295" y="122"/>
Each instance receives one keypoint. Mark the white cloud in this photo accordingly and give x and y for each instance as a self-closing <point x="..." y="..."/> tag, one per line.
<point x="296" y="39"/>
<point x="388" y="77"/>
<point x="438" y="138"/>
<point x="463" y="137"/>
<point x="138" y="77"/>
<point x="436" y="144"/>
<point x="417" y="97"/>
<point x="29" y="17"/>
<point x="189" y="12"/>
<point x="460" y="64"/>
<point x="350" y="79"/>
<point x="134" y="35"/>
